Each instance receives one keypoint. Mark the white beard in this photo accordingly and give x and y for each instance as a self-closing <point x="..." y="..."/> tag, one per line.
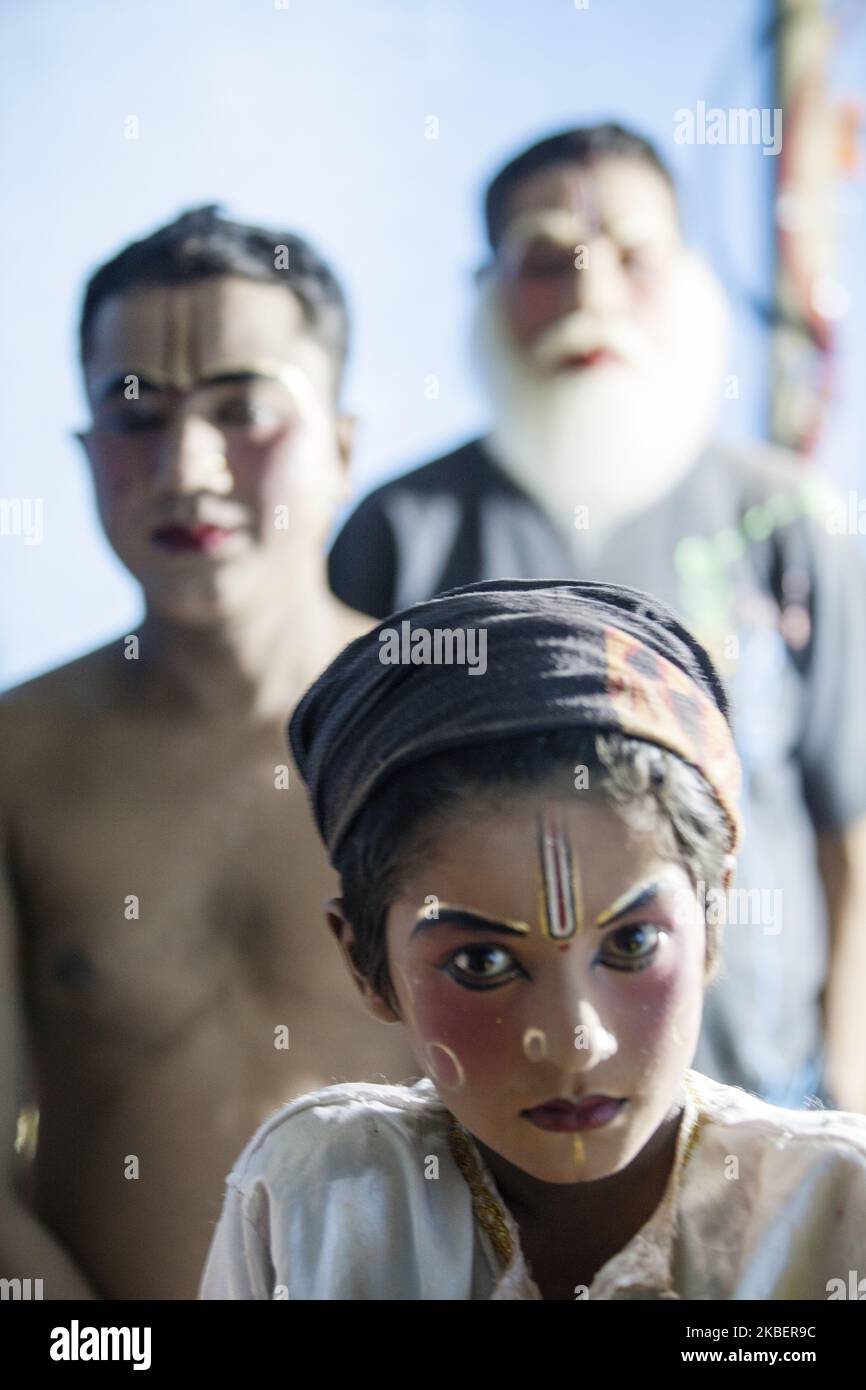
<point x="615" y="437"/>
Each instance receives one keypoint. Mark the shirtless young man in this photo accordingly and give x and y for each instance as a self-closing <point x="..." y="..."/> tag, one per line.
<point x="160" y="877"/>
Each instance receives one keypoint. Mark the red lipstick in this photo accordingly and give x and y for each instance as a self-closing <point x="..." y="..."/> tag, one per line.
<point x="592" y="1112"/>
<point x="200" y="537"/>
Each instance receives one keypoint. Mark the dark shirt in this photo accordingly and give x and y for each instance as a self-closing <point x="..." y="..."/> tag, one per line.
<point x="742" y="552"/>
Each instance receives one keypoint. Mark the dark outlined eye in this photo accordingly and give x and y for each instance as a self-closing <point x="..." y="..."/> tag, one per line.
<point x="246" y="413"/>
<point x="481" y="967"/>
<point x="631" y="947"/>
<point x="134" y="421"/>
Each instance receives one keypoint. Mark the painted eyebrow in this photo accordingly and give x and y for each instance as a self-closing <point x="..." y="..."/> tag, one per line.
<point x="626" y="230"/>
<point x="465" y="917"/>
<point x="237" y="378"/>
<point x="116" y="385"/>
<point x="632" y="226"/>
<point x="547" y="239"/>
<point x="630" y="901"/>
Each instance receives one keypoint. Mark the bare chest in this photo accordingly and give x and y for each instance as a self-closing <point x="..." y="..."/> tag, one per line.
<point x="149" y="879"/>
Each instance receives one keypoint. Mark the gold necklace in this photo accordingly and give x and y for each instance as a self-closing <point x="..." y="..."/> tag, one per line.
<point x="697" y="1124"/>
<point x="488" y="1212"/>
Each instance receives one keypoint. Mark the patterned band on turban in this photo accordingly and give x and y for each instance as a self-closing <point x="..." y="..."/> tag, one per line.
<point x="557" y="655"/>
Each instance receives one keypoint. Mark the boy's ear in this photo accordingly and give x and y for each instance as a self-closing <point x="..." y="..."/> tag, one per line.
<point x="347" y="428"/>
<point x="82" y="438"/>
<point x="343" y="931"/>
<point x="712" y="954"/>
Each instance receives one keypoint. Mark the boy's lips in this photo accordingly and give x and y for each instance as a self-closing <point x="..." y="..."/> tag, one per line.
<point x="202" y="536"/>
<point x="591" y="1112"/>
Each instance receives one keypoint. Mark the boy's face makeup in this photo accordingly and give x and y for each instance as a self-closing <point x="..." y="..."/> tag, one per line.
<point x="554" y="966"/>
<point x="215" y="445"/>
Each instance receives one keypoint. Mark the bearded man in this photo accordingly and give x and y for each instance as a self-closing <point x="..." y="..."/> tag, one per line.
<point x="602" y="339"/>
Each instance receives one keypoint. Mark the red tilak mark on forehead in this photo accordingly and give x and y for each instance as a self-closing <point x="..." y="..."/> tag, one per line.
<point x="564" y="946"/>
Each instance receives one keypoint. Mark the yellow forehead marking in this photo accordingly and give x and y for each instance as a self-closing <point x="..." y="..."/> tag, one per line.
<point x="577" y="889"/>
<point x="522" y="927"/>
<point x="627" y="897"/>
<point x="178" y="376"/>
<point x="630" y="228"/>
<point x="178" y="332"/>
<point x="289" y="375"/>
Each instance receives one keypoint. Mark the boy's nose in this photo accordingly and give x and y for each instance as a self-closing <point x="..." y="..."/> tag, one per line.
<point x="591" y="1043"/>
<point x="575" y="1041"/>
<point x="194" y="459"/>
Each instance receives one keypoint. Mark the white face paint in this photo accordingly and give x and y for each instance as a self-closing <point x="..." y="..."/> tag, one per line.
<point x="230" y="424"/>
<point x="445" y="1066"/>
<point x="593" y="1042"/>
<point x="506" y="1018"/>
<point x="535" y="1044"/>
<point x="614" y="437"/>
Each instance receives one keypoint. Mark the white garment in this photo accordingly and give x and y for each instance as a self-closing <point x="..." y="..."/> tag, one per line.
<point x="335" y="1198"/>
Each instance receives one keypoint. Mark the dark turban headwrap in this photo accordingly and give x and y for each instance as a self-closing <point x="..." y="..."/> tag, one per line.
<point x="559" y="655"/>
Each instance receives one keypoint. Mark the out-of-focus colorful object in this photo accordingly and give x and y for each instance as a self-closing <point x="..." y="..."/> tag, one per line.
<point x="819" y="145"/>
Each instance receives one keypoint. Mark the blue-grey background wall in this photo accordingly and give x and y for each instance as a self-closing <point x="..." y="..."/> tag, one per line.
<point x="316" y="114"/>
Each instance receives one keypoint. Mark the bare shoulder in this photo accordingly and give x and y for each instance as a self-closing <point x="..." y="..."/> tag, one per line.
<point x="69" y="684"/>
<point x="36" y="715"/>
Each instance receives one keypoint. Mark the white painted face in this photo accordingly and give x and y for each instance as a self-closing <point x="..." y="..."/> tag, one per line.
<point x="559" y="967"/>
<point x="601" y="340"/>
<point x="215" y="443"/>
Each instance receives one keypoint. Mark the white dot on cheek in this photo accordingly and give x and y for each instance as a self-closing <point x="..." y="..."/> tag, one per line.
<point x="445" y="1065"/>
<point x="535" y="1044"/>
